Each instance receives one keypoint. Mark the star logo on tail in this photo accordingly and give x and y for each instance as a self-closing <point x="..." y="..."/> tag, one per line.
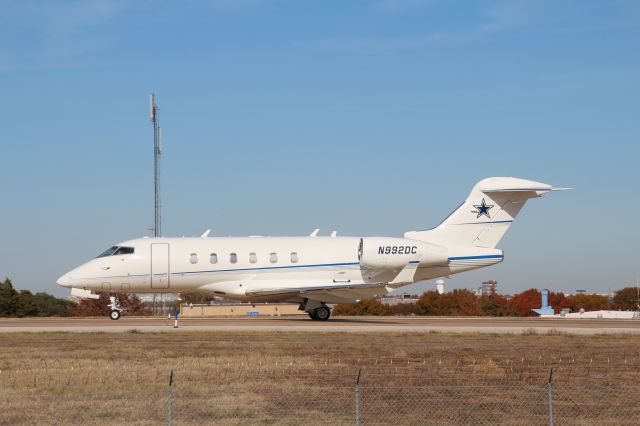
<point x="482" y="209"/>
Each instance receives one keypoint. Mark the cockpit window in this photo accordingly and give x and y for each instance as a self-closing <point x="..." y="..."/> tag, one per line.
<point x="109" y="251"/>
<point x="115" y="250"/>
<point x="124" y="250"/>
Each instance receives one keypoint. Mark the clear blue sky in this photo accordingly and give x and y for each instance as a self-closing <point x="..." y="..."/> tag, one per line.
<point x="369" y="117"/>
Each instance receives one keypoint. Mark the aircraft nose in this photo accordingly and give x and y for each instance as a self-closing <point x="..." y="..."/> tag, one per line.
<point x="64" y="281"/>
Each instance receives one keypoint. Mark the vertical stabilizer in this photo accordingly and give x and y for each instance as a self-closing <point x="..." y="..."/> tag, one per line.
<point x="486" y="214"/>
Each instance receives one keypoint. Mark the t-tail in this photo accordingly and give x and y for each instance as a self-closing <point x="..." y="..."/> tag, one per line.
<point x="486" y="214"/>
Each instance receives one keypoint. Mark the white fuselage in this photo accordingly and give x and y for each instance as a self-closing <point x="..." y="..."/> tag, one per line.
<point x="234" y="266"/>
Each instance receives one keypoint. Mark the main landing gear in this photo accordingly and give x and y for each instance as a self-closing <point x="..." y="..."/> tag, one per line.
<point x="317" y="311"/>
<point x="115" y="311"/>
<point x="320" y="314"/>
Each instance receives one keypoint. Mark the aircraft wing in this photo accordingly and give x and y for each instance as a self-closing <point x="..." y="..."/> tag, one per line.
<point x="334" y="290"/>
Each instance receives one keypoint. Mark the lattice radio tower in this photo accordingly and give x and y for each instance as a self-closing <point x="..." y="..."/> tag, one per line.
<point x="157" y="152"/>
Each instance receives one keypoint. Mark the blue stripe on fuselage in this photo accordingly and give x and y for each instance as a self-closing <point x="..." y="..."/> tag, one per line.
<point x="488" y="256"/>
<point x="270" y="267"/>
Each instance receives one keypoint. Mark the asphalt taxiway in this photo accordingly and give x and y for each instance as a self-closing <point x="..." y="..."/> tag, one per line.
<point x="337" y="324"/>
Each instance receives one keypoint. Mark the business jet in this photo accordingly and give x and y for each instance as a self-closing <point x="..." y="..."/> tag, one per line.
<point x="314" y="271"/>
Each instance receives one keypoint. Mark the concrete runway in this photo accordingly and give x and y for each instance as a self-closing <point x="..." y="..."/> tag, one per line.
<point x="339" y="324"/>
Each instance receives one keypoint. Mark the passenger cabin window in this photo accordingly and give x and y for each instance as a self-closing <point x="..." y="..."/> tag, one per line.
<point x="253" y="258"/>
<point x="273" y="258"/>
<point x="294" y="257"/>
<point x="193" y="259"/>
<point x="213" y="258"/>
<point x="233" y="258"/>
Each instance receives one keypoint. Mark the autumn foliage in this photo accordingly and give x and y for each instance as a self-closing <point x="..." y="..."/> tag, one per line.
<point x="467" y="303"/>
<point x="626" y="299"/>
<point x="459" y="302"/>
<point x="529" y="299"/>
<point x="456" y="302"/>
<point x="589" y="302"/>
<point x="98" y="307"/>
<point x="497" y="305"/>
<point x="364" y="307"/>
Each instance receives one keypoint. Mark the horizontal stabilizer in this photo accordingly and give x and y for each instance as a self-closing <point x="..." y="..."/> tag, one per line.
<point x="501" y="184"/>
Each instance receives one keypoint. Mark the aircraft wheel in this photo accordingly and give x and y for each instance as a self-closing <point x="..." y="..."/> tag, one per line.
<point x="322" y="313"/>
<point x="114" y="314"/>
<point x="312" y="315"/>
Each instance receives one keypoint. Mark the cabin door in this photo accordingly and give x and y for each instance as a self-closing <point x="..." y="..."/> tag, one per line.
<point x="160" y="265"/>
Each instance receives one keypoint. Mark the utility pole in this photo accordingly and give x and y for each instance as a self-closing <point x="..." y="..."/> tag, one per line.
<point x="157" y="151"/>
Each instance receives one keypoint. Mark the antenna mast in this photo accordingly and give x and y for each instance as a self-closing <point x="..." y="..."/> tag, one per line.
<point x="157" y="151"/>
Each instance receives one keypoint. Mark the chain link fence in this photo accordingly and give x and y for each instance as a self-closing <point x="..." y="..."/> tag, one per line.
<point x="310" y="400"/>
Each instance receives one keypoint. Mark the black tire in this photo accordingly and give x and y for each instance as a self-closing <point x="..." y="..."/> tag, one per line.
<point x="322" y="313"/>
<point x="114" y="314"/>
<point x="312" y="315"/>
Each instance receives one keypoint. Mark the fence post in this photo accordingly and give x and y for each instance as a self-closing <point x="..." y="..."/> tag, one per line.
<point x="170" y="400"/>
<point x="358" y="398"/>
<point x="550" y="397"/>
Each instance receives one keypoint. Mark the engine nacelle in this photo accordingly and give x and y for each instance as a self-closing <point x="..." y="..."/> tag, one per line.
<point x="396" y="253"/>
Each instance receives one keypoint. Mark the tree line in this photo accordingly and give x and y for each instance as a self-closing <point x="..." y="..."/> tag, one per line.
<point x="462" y="302"/>
<point x="23" y="303"/>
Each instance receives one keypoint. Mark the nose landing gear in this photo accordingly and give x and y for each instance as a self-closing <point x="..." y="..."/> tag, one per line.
<point x="115" y="311"/>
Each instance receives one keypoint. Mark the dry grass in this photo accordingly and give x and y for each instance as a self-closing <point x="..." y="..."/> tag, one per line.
<point x="258" y="377"/>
